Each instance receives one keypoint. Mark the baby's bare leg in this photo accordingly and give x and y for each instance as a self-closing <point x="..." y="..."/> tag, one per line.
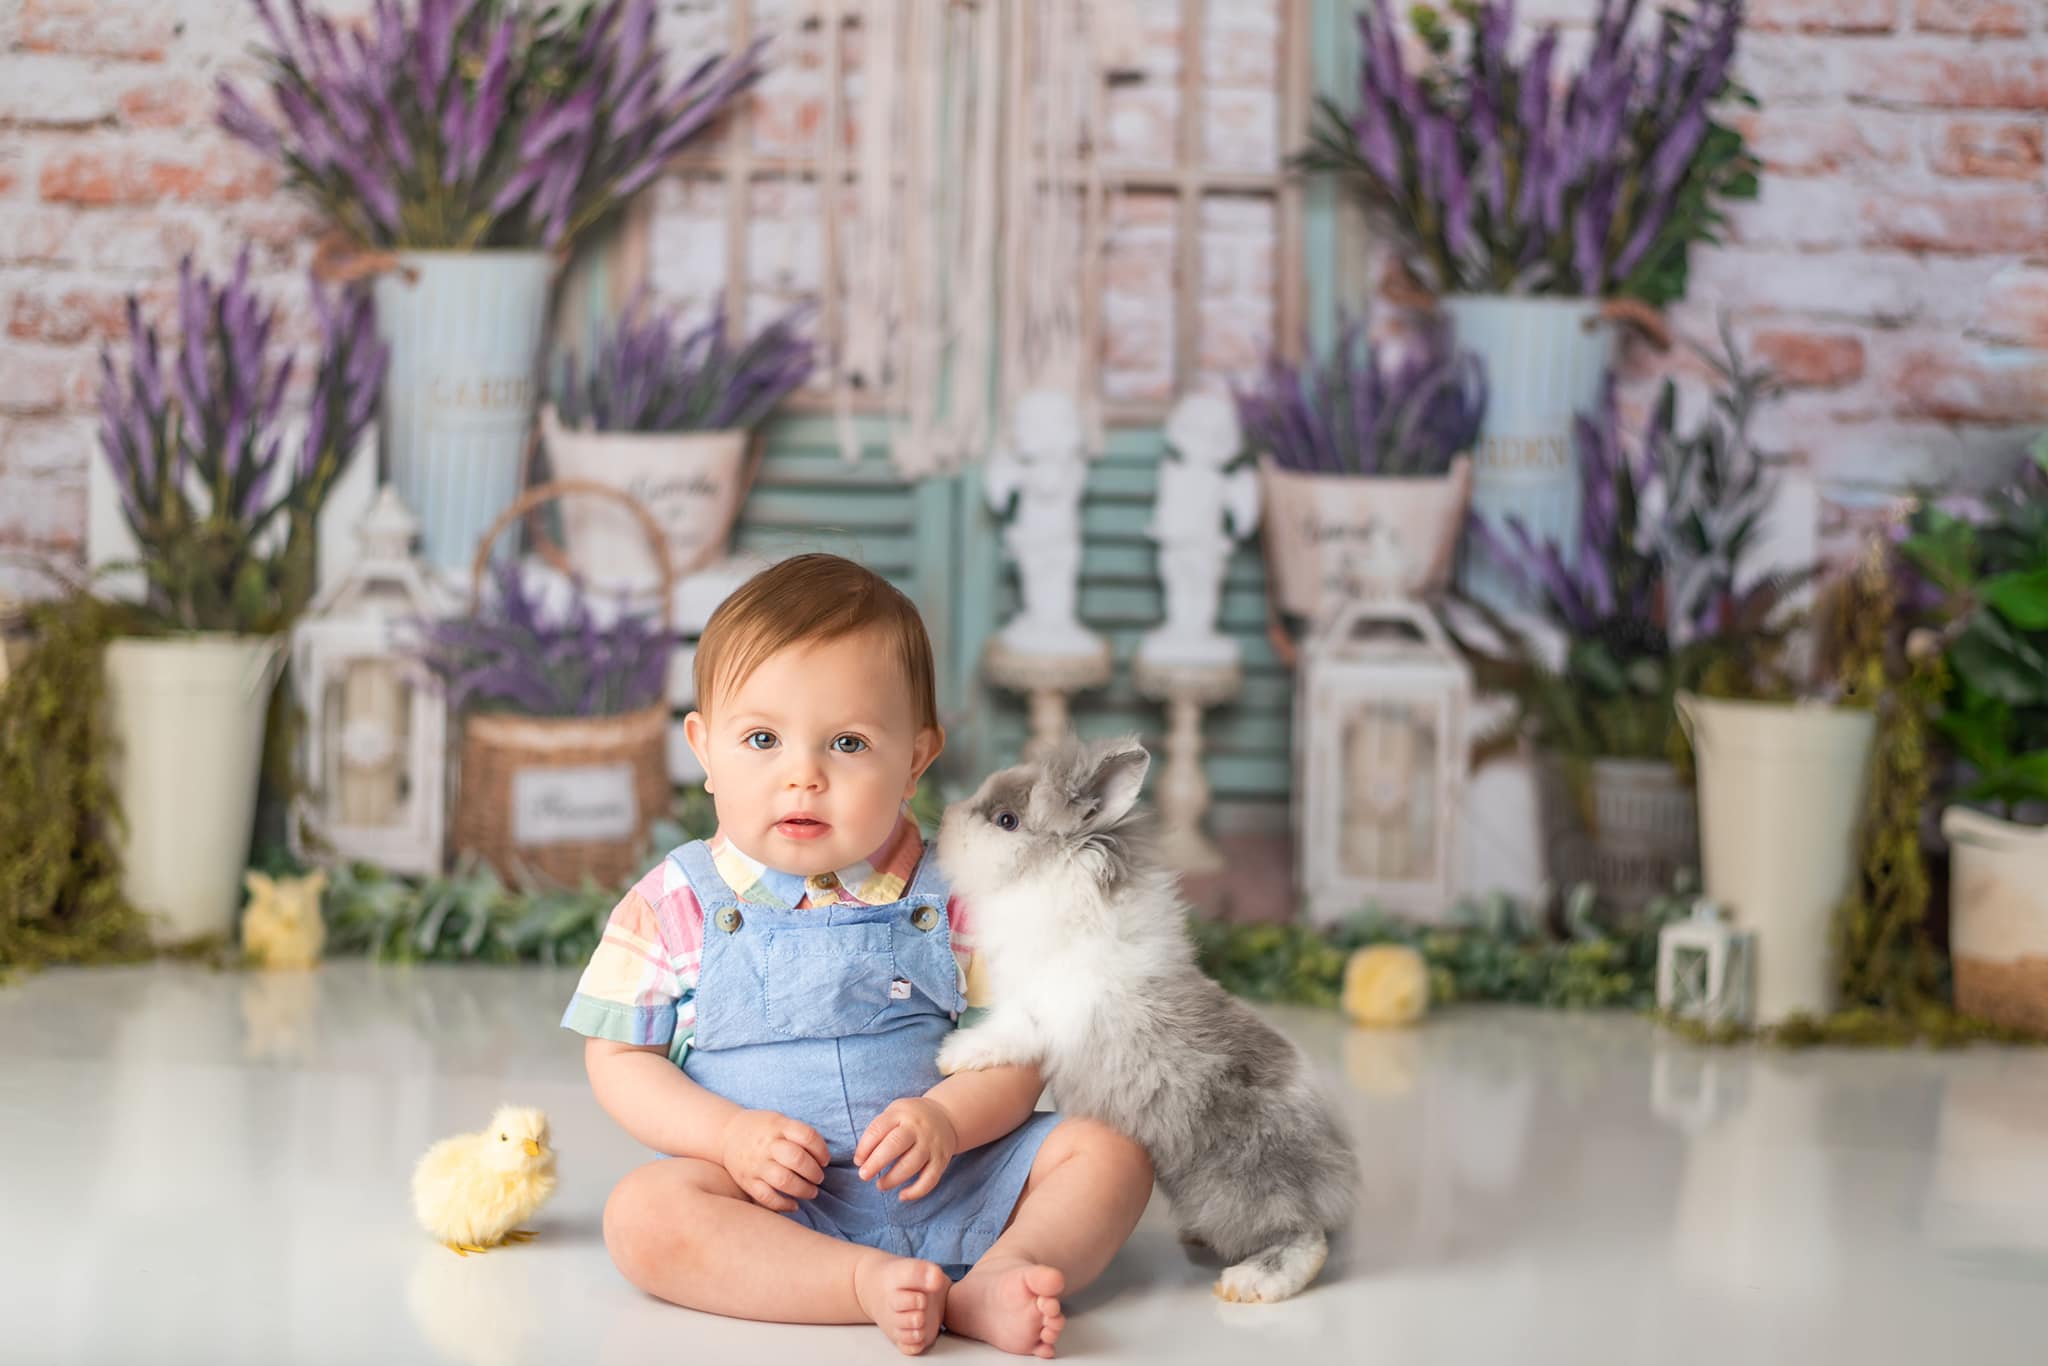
<point x="1087" y="1187"/>
<point x="681" y="1230"/>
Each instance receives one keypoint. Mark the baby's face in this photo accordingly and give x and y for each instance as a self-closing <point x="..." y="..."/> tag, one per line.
<point x="809" y="760"/>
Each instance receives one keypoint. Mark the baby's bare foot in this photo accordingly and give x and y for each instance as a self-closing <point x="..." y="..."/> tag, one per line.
<point x="1009" y="1303"/>
<point x="906" y="1299"/>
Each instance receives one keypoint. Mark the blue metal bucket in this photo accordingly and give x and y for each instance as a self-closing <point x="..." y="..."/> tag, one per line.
<point x="1546" y="360"/>
<point x="465" y="333"/>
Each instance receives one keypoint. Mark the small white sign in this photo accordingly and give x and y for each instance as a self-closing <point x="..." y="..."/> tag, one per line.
<point x="571" y="805"/>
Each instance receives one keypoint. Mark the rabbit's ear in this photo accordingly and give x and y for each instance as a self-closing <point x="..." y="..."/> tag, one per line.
<point x="1110" y="784"/>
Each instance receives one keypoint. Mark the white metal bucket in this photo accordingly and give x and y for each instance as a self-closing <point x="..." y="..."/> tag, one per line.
<point x="1546" y="360"/>
<point x="465" y="340"/>
<point x="692" y="482"/>
<point x="187" y="716"/>
<point x="1781" y="795"/>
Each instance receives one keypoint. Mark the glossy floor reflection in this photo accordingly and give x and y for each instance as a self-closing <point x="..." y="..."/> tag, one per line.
<point x="212" y="1168"/>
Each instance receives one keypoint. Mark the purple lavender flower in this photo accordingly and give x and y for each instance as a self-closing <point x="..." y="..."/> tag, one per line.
<point x="194" y="435"/>
<point x="476" y="123"/>
<point x="1493" y="181"/>
<point x="652" y="375"/>
<point x="510" y="657"/>
<point x="1367" y="410"/>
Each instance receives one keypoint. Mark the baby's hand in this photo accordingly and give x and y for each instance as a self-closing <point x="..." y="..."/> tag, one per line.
<point x="918" y="1136"/>
<point x="773" y="1158"/>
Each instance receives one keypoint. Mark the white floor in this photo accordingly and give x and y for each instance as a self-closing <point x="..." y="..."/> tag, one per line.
<point x="202" y="1167"/>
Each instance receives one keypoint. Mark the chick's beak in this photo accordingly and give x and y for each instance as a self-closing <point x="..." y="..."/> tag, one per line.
<point x="532" y="1148"/>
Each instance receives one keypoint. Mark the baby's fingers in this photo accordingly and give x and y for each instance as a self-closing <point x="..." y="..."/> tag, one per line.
<point x="767" y="1197"/>
<point x="913" y="1162"/>
<point x="925" y="1184"/>
<point x="876" y="1130"/>
<point x="807" y="1138"/>
<point x="791" y="1184"/>
<point x="899" y="1142"/>
<point x="797" y="1160"/>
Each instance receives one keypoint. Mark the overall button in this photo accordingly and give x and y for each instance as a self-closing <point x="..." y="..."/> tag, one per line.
<point x="821" y="882"/>
<point x="729" y="919"/>
<point x="925" y="917"/>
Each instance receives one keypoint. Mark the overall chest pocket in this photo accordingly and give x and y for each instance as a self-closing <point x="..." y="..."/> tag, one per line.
<point x="826" y="981"/>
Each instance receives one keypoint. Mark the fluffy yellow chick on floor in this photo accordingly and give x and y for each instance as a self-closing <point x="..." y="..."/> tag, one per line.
<point x="474" y="1190"/>
<point x="282" y="927"/>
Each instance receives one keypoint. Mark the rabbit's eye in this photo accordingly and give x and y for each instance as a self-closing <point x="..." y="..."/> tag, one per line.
<point x="1006" y="820"/>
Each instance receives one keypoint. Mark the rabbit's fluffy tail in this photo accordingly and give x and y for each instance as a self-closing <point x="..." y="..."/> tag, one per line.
<point x="1276" y="1272"/>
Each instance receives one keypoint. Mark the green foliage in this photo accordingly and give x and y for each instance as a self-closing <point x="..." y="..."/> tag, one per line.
<point x="60" y="874"/>
<point x="1494" y="951"/>
<point x="472" y="915"/>
<point x="1992" y="570"/>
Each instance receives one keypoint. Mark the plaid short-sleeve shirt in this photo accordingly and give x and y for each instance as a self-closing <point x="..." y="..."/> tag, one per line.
<point x="640" y="984"/>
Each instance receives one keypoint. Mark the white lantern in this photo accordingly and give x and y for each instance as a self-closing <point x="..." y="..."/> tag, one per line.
<point x="1705" y="967"/>
<point x="374" y="757"/>
<point x="1381" y="718"/>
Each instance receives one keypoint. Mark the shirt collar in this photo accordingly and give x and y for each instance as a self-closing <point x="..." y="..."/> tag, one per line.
<point x="880" y="877"/>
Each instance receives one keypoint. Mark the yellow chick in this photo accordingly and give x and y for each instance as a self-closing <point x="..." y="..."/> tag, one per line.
<point x="282" y="927"/>
<point x="1387" y="984"/>
<point x="474" y="1190"/>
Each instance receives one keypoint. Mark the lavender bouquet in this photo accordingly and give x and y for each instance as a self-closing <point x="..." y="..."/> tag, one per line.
<point x="1368" y="411"/>
<point x="223" y="509"/>
<point x="510" y="658"/>
<point x="476" y="123"/>
<point x="1495" y="180"/>
<point x="653" y="375"/>
<point x="1654" y="600"/>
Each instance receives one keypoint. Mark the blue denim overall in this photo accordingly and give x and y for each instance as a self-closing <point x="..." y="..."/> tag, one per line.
<point x="827" y="1015"/>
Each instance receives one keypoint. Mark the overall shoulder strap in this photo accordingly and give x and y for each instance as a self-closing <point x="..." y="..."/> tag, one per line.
<point x="711" y="890"/>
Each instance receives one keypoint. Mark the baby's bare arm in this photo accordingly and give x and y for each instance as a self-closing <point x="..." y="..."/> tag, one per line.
<point x="987" y="1104"/>
<point x="655" y="1101"/>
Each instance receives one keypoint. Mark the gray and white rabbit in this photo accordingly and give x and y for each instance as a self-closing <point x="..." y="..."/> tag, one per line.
<point x="1083" y="939"/>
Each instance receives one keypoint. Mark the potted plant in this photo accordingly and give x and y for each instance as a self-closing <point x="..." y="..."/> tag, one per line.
<point x="223" y="504"/>
<point x="565" y="716"/>
<point x="1990" y="565"/>
<point x="1376" y="436"/>
<point x="1655" y="596"/>
<point x="1539" y="204"/>
<point x="458" y="149"/>
<point x="664" y="413"/>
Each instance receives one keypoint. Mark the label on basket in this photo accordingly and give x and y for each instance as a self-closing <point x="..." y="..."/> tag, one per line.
<point x="573" y="805"/>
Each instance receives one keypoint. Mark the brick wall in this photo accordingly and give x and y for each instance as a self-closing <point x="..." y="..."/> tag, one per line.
<point x="1896" y="267"/>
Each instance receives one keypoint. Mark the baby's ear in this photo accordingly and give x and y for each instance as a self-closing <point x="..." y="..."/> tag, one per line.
<point x="1111" y="781"/>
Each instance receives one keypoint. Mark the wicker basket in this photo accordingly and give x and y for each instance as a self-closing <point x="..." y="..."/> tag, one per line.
<point x="562" y="799"/>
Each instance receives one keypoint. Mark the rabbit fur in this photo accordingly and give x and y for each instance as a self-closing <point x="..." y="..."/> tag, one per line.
<point x="1082" y="936"/>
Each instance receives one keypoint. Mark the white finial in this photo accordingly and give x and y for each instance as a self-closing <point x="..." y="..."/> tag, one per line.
<point x="388" y="530"/>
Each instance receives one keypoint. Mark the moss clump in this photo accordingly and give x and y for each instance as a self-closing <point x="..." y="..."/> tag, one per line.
<point x="60" y="871"/>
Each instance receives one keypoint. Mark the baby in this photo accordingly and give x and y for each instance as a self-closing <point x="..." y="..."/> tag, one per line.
<point x="768" y="1005"/>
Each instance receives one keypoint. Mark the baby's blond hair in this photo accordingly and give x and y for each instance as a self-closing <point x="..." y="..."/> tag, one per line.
<point x="805" y="599"/>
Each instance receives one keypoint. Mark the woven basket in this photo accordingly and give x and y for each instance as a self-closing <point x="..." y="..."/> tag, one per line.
<point x="562" y="799"/>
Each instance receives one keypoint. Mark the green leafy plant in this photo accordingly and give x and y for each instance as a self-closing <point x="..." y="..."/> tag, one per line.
<point x="1656" y="597"/>
<point x="1988" y="564"/>
<point x="1494" y="950"/>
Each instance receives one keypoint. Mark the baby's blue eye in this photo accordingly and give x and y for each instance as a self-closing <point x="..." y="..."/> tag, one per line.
<point x="849" y="744"/>
<point x="759" y="735"/>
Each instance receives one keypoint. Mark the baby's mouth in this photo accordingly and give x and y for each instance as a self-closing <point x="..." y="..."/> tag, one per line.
<point x="801" y="827"/>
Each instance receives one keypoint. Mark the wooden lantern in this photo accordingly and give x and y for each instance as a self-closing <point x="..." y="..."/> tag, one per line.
<point x="374" y="756"/>
<point x="1381" y="749"/>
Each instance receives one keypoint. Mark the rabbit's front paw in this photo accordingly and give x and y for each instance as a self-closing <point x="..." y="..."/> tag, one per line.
<point x="970" y="1050"/>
